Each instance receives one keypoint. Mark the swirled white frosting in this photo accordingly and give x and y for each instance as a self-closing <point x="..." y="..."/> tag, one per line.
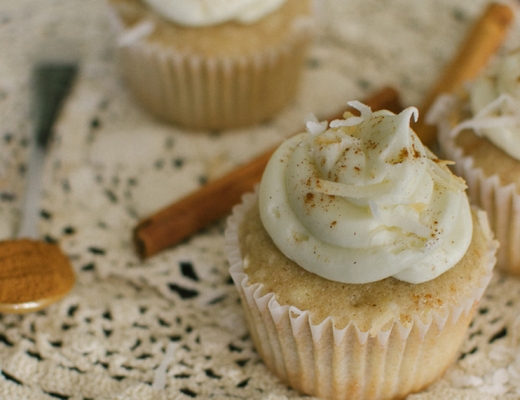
<point x="211" y="12"/>
<point x="495" y="104"/>
<point x="362" y="199"/>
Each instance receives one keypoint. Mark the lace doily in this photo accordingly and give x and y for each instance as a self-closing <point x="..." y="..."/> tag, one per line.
<point x="172" y="327"/>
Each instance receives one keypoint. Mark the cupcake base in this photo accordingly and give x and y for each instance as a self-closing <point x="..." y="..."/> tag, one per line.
<point x="493" y="184"/>
<point x="213" y="77"/>
<point x="353" y="360"/>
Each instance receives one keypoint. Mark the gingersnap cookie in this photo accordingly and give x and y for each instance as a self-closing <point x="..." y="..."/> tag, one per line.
<point x="34" y="274"/>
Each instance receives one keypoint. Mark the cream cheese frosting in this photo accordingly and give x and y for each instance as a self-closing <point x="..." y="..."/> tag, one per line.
<point x="495" y="104"/>
<point x="361" y="199"/>
<point x="211" y="12"/>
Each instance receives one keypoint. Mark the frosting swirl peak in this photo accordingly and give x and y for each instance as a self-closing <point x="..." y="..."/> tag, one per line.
<point x="362" y="199"/>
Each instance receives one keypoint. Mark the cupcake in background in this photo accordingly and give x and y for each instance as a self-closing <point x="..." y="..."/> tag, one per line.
<point x="479" y="128"/>
<point x="213" y="64"/>
<point x="359" y="261"/>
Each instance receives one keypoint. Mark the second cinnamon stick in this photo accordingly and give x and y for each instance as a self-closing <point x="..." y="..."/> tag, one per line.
<point x="215" y="200"/>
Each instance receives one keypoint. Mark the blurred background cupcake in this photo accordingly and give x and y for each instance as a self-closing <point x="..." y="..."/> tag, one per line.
<point x="479" y="128"/>
<point x="212" y="64"/>
<point x="359" y="262"/>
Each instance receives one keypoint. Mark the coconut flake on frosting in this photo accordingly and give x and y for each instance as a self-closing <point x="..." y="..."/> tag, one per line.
<point x="211" y="12"/>
<point x="361" y="199"/>
<point x="495" y="104"/>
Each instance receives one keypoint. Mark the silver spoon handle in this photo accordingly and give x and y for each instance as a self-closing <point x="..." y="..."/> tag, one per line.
<point x="51" y="85"/>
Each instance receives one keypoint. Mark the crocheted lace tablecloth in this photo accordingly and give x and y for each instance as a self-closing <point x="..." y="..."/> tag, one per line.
<point x="171" y="327"/>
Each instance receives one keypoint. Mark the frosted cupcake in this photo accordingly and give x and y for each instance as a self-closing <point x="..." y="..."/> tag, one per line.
<point x="359" y="261"/>
<point x="479" y="129"/>
<point x="212" y="64"/>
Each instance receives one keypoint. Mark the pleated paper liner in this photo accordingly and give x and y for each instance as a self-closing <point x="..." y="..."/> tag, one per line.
<point x="348" y="363"/>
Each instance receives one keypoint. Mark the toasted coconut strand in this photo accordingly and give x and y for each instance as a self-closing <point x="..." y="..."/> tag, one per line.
<point x="342" y="189"/>
<point x="445" y="178"/>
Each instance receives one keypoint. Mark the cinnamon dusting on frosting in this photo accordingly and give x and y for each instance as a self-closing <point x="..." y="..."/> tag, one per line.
<point x="397" y="210"/>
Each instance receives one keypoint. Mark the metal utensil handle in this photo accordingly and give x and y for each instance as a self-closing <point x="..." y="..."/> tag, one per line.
<point x="51" y="85"/>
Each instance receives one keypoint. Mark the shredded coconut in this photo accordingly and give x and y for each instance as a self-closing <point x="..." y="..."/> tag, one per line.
<point x="159" y="381"/>
<point x="136" y="33"/>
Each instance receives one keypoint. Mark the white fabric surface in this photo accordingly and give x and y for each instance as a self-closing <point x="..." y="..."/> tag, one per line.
<point x="127" y="322"/>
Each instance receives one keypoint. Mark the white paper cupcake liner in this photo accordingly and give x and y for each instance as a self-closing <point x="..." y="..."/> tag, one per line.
<point x="501" y="202"/>
<point x="210" y="93"/>
<point x="348" y="363"/>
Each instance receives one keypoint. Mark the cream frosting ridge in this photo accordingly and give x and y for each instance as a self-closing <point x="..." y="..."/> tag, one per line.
<point x="361" y="199"/>
<point x="495" y="104"/>
<point x="211" y="12"/>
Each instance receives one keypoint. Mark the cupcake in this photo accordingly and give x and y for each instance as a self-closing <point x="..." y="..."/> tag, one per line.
<point x="358" y="260"/>
<point x="479" y="128"/>
<point x="212" y="64"/>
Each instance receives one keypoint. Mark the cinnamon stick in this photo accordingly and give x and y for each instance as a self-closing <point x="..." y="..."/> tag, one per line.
<point x="474" y="53"/>
<point x="215" y="200"/>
